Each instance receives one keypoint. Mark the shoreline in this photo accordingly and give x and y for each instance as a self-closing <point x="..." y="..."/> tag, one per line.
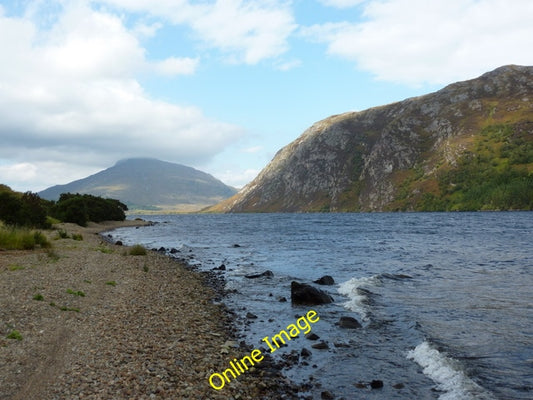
<point x="113" y="325"/>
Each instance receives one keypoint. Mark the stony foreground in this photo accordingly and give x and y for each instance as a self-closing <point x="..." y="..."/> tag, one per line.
<point x="98" y="323"/>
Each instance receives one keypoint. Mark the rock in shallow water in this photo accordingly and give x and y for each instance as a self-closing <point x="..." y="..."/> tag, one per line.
<point x="304" y="294"/>
<point x="305" y="353"/>
<point x="327" y="395"/>
<point x="376" y="384"/>
<point x="325" y="280"/>
<point x="267" y="274"/>
<point x="349" y="323"/>
<point x="320" y="345"/>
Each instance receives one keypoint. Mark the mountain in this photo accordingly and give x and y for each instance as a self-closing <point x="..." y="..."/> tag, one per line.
<point x="149" y="184"/>
<point x="468" y="146"/>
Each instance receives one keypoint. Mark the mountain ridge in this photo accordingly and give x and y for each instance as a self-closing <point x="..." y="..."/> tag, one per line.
<point x="149" y="184"/>
<point x="401" y="156"/>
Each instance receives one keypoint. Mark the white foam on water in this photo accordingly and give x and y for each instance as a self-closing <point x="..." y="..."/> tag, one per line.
<point x="357" y="301"/>
<point x="447" y="374"/>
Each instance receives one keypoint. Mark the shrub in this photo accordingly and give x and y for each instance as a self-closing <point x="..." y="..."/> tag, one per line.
<point x="77" y="236"/>
<point x="71" y="209"/>
<point x="32" y="211"/>
<point x="26" y="209"/>
<point x="62" y="234"/>
<point x="138" y="250"/>
<point x="80" y="209"/>
<point x="9" y="207"/>
<point x="41" y="240"/>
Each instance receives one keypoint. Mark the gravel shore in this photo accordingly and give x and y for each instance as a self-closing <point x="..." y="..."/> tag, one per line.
<point x="98" y="323"/>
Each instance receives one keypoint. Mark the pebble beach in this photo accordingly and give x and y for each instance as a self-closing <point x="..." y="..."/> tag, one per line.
<point x="96" y="322"/>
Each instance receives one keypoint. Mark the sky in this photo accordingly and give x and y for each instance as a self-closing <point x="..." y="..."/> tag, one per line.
<point x="222" y="85"/>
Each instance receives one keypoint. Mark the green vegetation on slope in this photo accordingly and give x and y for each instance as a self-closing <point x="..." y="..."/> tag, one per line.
<point x="496" y="174"/>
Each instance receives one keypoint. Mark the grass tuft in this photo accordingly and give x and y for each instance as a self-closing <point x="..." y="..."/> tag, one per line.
<point x="105" y="250"/>
<point x="78" y="237"/>
<point x="22" y="239"/>
<point x="62" y="234"/>
<point x="76" y="293"/>
<point x="14" y="334"/>
<point x="138" y="250"/>
<point x="52" y="255"/>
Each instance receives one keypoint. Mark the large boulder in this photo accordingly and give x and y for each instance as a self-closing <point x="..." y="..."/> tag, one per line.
<point x="304" y="294"/>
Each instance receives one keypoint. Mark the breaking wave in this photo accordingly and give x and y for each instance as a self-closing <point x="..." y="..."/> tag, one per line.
<point x="358" y="297"/>
<point x="356" y="289"/>
<point x="448" y="374"/>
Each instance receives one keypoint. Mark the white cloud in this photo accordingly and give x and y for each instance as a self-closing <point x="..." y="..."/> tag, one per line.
<point x="88" y="44"/>
<point x="68" y="93"/>
<point x="39" y="175"/>
<point x="245" y="31"/>
<point x="147" y="30"/>
<point x="341" y="3"/>
<point x="416" y="41"/>
<point x="236" y="177"/>
<point x="22" y="171"/>
<point x="177" y="66"/>
<point x="258" y="30"/>
<point x="288" y="65"/>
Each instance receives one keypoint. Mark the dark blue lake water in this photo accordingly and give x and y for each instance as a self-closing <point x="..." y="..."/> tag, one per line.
<point x="445" y="299"/>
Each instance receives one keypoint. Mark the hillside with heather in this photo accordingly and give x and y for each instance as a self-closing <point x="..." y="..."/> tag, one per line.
<point x="468" y="146"/>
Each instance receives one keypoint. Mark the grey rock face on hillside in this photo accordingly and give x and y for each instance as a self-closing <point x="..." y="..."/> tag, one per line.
<point x="355" y="161"/>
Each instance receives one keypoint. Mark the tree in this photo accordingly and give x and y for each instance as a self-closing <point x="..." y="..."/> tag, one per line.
<point x="9" y="207"/>
<point x="80" y="209"/>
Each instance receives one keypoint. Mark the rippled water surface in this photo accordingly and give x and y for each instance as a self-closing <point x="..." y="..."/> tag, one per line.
<point x="445" y="299"/>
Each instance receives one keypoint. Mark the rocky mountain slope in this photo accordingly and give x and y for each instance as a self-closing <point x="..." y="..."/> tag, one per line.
<point x="149" y="184"/>
<point x="468" y="146"/>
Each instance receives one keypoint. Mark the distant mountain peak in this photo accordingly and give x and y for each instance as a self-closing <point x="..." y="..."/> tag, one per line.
<point x="150" y="184"/>
<point x="136" y="159"/>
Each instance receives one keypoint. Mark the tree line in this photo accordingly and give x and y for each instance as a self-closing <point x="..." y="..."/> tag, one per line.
<point x="28" y="209"/>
